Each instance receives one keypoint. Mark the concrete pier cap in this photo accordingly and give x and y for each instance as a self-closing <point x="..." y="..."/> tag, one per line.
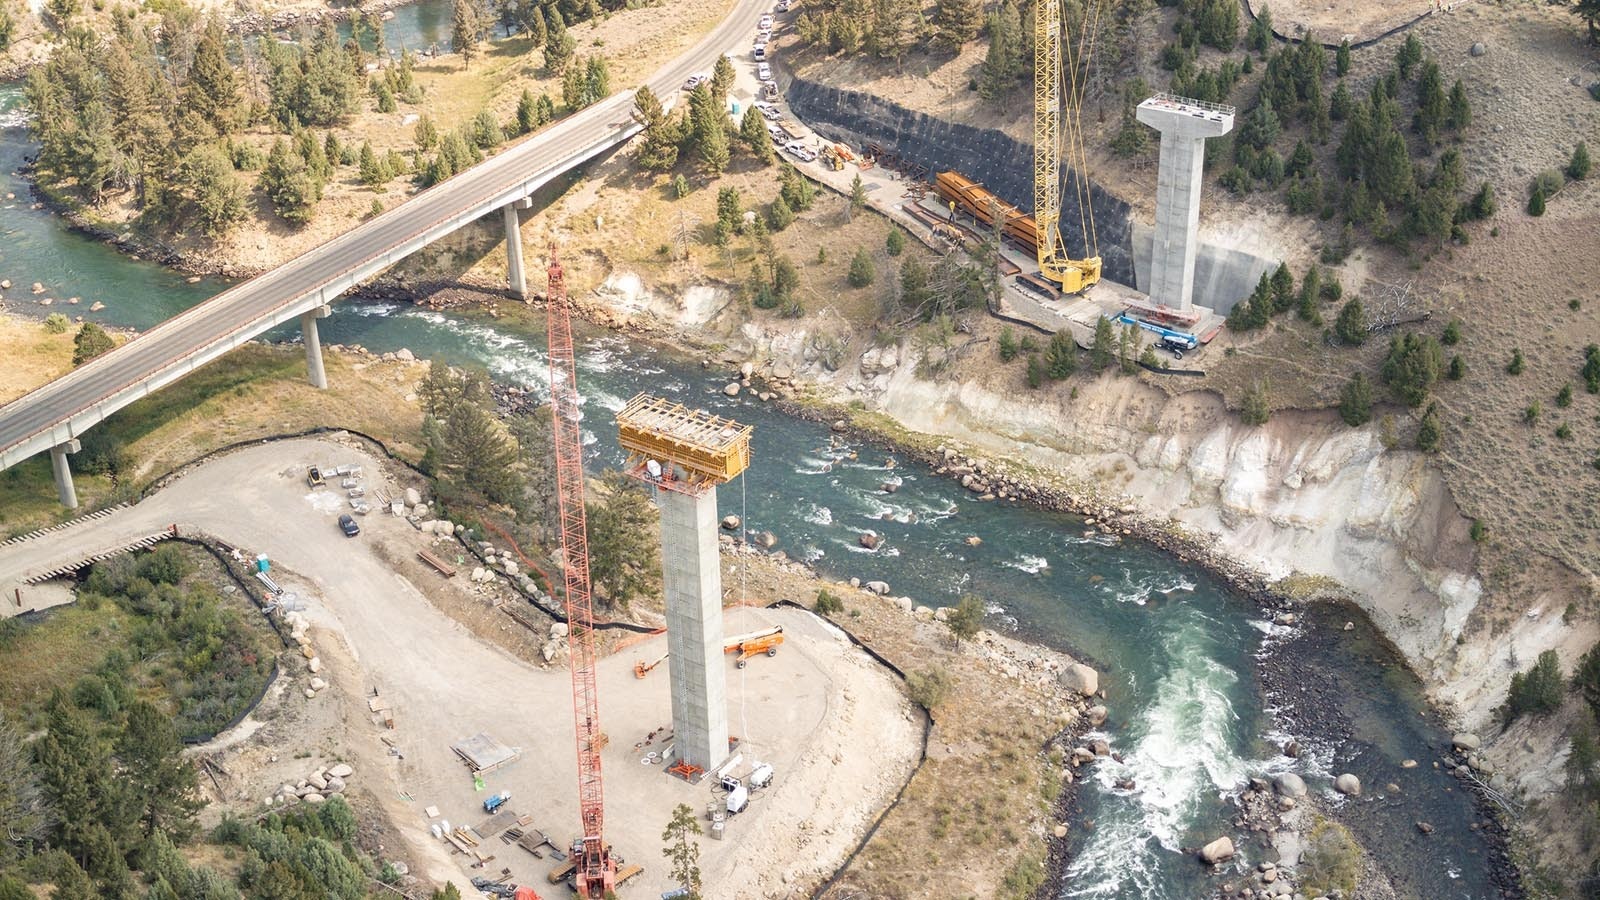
<point x="1185" y="124"/>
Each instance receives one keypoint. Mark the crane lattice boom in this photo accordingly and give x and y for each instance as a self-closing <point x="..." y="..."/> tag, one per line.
<point x="1073" y="275"/>
<point x="596" y="872"/>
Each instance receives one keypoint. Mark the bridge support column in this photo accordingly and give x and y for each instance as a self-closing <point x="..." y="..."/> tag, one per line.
<point x="515" y="272"/>
<point x="308" y="331"/>
<point x="58" y="462"/>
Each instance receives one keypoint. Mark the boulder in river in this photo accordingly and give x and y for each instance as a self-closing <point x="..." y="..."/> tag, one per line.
<point x="1348" y="784"/>
<point x="869" y="540"/>
<point x="732" y="389"/>
<point x="1081" y="679"/>
<point x="1290" y="785"/>
<point x="1218" y="851"/>
<point x="731" y="523"/>
<point x="1466" y="742"/>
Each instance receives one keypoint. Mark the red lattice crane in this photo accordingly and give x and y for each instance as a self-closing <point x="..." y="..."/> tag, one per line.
<point x="594" y="869"/>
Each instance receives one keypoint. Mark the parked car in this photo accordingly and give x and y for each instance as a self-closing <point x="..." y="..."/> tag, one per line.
<point x="764" y="72"/>
<point x="314" y="477"/>
<point x="695" y="81"/>
<point x="783" y="5"/>
<point x="763" y="35"/>
<point x="759" y="52"/>
<point x="766" y="22"/>
<point x="775" y="131"/>
<point x="770" y="114"/>
<point x="347" y="524"/>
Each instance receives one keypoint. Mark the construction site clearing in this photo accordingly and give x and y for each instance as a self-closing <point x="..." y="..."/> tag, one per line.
<point x="437" y="719"/>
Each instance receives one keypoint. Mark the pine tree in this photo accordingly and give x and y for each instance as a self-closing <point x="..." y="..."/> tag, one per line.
<point x="658" y="150"/>
<point x="1409" y="54"/>
<point x="753" y="131"/>
<point x="1006" y="344"/>
<point x="956" y="22"/>
<point x="1429" y="431"/>
<point x="1589" y="12"/>
<point x="528" y="112"/>
<point x="289" y="184"/>
<point x="1536" y="201"/>
<point x="722" y="76"/>
<point x="597" y="79"/>
<point x="862" y="272"/>
<point x="427" y="134"/>
<point x="531" y="16"/>
<point x="1341" y="59"/>
<point x="1061" y="356"/>
<point x="1103" y="352"/>
<point x="1003" y="63"/>
<point x="1431" y="104"/>
<point x="780" y="216"/>
<point x="574" y="88"/>
<point x="466" y="29"/>
<point x="1391" y="174"/>
<point x="1578" y="166"/>
<point x="1259" y="35"/>
<point x="213" y="91"/>
<point x="559" y="46"/>
<point x="1355" y="401"/>
<point x="486" y="133"/>
<point x="1310" y="292"/>
<point x="1458" y="112"/>
<point x="162" y="781"/>
<point x="1412" y="366"/>
<point x="23" y="807"/>
<point x="681" y="851"/>
<point x="858" y="195"/>
<point x="708" y="125"/>
<point x="1351" y="326"/>
<point x="207" y="182"/>
<point x="373" y="172"/>
<point x="1255" y="407"/>
<point x="896" y="241"/>
<point x="90" y="341"/>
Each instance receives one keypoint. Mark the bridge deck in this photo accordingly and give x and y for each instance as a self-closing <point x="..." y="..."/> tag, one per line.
<point x="66" y="407"/>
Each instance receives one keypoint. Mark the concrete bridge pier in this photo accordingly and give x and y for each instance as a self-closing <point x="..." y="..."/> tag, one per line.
<point x="516" y="273"/>
<point x="63" y="471"/>
<point x="308" y="331"/>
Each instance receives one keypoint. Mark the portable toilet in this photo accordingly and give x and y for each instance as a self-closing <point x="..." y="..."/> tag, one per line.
<point x="261" y="563"/>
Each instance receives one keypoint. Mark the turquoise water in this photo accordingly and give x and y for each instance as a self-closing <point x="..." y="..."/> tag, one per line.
<point x="1180" y="655"/>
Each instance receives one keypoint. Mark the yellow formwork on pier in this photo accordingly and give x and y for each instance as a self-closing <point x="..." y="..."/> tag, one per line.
<point x="708" y="449"/>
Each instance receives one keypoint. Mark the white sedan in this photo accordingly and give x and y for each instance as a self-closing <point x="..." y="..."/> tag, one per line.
<point x="764" y="72"/>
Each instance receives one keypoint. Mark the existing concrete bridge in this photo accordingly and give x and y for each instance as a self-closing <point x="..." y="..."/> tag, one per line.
<point x="55" y="415"/>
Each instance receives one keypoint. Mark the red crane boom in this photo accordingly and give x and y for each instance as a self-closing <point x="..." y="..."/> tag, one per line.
<point x="596" y="871"/>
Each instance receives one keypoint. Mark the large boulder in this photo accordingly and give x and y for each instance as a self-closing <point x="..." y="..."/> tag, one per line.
<point x="878" y="587"/>
<point x="879" y="360"/>
<point x="1290" y="785"/>
<point x="869" y="540"/>
<point x="413" y="497"/>
<point x="1348" y="784"/>
<point x="341" y="770"/>
<point x="1466" y="742"/>
<point x="1081" y="679"/>
<point x="1218" y="851"/>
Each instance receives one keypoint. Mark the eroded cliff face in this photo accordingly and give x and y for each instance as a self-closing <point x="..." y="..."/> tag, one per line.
<point x="1303" y="493"/>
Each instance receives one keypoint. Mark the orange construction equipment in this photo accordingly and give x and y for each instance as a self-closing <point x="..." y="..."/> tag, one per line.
<point x="765" y="641"/>
<point x="642" y="668"/>
<point x="595" y="869"/>
<point x="748" y="645"/>
<point x="525" y="893"/>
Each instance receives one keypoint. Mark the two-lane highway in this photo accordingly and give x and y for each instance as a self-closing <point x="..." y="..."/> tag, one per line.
<point x="60" y="411"/>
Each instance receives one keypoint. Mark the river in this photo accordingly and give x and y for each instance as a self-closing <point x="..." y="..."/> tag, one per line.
<point x="1180" y="655"/>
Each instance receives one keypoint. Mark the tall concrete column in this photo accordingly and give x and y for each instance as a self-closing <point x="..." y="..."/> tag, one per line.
<point x="308" y="331"/>
<point x="1184" y="125"/>
<point x="63" y="472"/>
<point x="515" y="272"/>
<point x="692" y="582"/>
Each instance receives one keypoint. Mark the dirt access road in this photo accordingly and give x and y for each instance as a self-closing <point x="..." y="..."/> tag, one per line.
<point x="836" y="727"/>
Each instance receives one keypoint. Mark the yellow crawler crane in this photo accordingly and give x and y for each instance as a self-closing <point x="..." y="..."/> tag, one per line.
<point x="1049" y="121"/>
